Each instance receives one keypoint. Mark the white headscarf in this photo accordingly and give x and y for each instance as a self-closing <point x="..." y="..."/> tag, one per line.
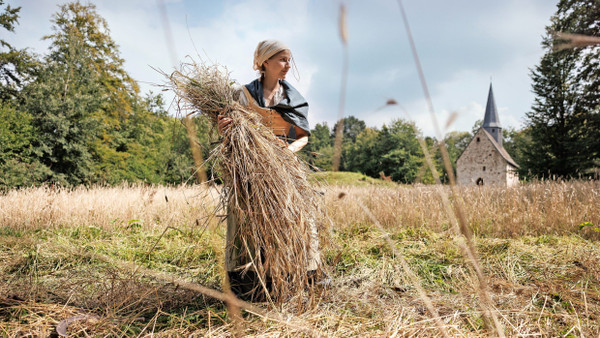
<point x="265" y="50"/>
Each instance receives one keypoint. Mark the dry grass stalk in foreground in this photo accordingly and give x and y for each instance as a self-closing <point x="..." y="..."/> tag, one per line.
<point x="267" y="190"/>
<point x="455" y="210"/>
<point x="564" y="41"/>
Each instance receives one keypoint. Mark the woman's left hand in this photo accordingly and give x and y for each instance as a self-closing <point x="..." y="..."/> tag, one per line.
<point x="223" y="123"/>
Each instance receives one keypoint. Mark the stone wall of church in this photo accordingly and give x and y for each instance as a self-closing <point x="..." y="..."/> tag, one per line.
<point x="482" y="163"/>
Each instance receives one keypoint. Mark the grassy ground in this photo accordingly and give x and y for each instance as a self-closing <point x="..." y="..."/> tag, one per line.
<point x="68" y="253"/>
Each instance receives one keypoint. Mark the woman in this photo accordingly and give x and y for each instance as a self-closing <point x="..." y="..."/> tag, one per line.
<point x="284" y="111"/>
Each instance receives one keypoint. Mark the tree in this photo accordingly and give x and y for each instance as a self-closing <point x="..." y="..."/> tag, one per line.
<point x="583" y="17"/>
<point x="15" y="65"/>
<point x="363" y="155"/>
<point x="516" y="142"/>
<point x="402" y="154"/>
<point x="394" y="150"/>
<point x="319" y="150"/>
<point x="352" y="127"/>
<point x="78" y="27"/>
<point x="80" y="119"/>
<point x="93" y="125"/>
<point x="476" y="127"/>
<point x="80" y="24"/>
<point x="321" y="137"/>
<point x="551" y="120"/>
<point x="65" y="102"/>
<point x="17" y="163"/>
<point x="455" y="143"/>
<point x="564" y="123"/>
<point x="81" y="99"/>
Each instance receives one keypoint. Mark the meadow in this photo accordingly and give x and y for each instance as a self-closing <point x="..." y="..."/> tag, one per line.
<point x="129" y="260"/>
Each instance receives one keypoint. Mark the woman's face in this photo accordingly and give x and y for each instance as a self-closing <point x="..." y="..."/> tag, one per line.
<point x="278" y="65"/>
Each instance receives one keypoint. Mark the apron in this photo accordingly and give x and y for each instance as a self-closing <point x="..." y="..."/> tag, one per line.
<point x="272" y="119"/>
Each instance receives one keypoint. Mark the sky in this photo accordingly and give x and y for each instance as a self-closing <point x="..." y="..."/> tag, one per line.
<point x="463" y="46"/>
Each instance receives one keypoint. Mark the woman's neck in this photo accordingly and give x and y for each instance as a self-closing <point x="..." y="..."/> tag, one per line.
<point x="270" y="84"/>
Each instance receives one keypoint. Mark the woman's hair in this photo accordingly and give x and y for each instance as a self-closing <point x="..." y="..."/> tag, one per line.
<point x="265" y="50"/>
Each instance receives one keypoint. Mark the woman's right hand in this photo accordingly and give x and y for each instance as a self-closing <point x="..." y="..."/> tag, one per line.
<point x="223" y="123"/>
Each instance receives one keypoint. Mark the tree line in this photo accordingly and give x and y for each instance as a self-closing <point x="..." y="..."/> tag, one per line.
<point x="74" y="116"/>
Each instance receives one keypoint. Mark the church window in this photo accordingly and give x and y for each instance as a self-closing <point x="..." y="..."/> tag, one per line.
<point x="493" y="130"/>
<point x="483" y="168"/>
<point x="479" y="181"/>
<point x="478" y="139"/>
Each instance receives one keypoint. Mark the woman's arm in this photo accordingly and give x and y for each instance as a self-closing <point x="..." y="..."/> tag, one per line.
<point x="301" y="140"/>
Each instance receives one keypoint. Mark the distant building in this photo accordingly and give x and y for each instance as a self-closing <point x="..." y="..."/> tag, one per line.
<point x="484" y="161"/>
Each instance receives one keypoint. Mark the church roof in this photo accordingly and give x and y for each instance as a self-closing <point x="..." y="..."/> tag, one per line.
<point x="500" y="149"/>
<point x="491" y="120"/>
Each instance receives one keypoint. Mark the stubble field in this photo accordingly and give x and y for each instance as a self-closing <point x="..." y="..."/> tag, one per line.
<point x="129" y="260"/>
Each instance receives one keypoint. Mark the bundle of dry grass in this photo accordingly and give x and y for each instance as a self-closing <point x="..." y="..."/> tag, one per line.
<point x="267" y="190"/>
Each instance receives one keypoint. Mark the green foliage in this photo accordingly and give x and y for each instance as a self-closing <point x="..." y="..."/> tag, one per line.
<point x="88" y="62"/>
<point x="550" y="120"/>
<point x="476" y="127"/>
<point x="18" y="167"/>
<point x="589" y="225"/>
<point x="65" y="101"/>
<point x="323" y="158"/>
<point x="16" y="133"/>
<point x="321" y="136"/>
<point x="352" y="128"/>
<point x="15" y="65"/>
<point x="564" y="124"/>
<point x="79" y="119"/>
<point x="319" y="150"/>
<point x="17" y="174"/>
<point x="9" y="18"/>
<point x="516" y="142"/>
<point x="361" y="155"/>
<point x="393" y="151"/>
<point x="455" y="142"/>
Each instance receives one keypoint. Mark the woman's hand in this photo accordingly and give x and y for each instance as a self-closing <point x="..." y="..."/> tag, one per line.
<point x="223" y="123"/>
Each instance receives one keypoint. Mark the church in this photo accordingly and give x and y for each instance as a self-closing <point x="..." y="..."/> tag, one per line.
<point x="484" y="161"/>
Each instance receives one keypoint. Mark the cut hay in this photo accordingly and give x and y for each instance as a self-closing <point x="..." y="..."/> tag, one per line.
<point x="265" y="183"/>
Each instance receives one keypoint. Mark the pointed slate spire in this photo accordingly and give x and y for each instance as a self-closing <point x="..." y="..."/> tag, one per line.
<point x="491" y="122"/>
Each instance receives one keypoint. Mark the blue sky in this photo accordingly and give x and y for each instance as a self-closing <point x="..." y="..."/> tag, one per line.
<point x="462" y="45"/>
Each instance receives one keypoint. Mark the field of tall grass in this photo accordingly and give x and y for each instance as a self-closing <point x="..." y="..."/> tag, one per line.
<point x="131" y="260"/>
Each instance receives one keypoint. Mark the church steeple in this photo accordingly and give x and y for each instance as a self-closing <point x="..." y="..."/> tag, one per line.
<point x="491" y="123"/>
